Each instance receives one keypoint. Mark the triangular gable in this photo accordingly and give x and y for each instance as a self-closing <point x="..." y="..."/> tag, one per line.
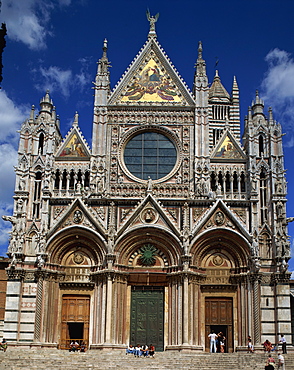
<point x="228" y="149"/>
<point x="39" y="162"/>
<point x="74" y="146"/>
<point x="77" y="214"/>
<point x="151" y="79"/>
<point x="219" y="215"/>
<point x="148" y="212"/>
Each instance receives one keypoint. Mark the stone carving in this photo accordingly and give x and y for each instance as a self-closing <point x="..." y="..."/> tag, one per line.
<point x="149" y="216"/>
<point x="219" y="218"/>
<point x="218" y="260"/>
<point x="78" y="258"/>
<point x="77" y="216"/>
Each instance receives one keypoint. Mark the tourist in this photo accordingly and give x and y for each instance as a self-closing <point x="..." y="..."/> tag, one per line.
<point x="151" y="350"/>
<point x="250" y="346"/>
<point x="267" y="346"/>
<point x="270" y="363"/>
<point x="212" y="337"/>
<point x="221" y="341"/>
<point x="281" y="363"/>
<point x="74" y="346"/>
<point x="130" y="349"/>
<point x="138" y="351"/>
<point x="83" y="347"/>
<point x="144" y="350"/>
<point x="3" y="345"/>
<point x="284" y="343"/>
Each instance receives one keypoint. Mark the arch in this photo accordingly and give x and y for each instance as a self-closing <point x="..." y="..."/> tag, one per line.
<point x="167" y="244"/>
<point x="221" y="241"/>
<point x="76" y="238"/>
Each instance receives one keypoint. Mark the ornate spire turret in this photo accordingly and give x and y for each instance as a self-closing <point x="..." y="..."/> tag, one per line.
<point x="46" y="104"/>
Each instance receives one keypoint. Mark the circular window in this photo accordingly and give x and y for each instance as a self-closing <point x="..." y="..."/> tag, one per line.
<point x="150" y="154"/>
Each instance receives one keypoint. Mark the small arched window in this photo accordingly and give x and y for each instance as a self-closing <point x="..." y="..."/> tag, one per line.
<point x="41" y="143"/>
<point x="261" y="145"/>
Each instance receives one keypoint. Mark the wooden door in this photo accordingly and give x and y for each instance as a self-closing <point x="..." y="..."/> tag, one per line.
<point x="147" y="316"/>
<point x="219" y="317"/>
<point x="75" y="318"/>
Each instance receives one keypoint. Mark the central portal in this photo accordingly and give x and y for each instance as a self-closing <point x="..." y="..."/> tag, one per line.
<point x="147" y="316"/>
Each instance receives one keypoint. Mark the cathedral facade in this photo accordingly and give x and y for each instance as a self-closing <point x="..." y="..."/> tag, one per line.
<point x="166" y="228"/>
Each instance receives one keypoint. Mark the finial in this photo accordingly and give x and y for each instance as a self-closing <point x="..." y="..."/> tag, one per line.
<point x="105" y="49"/>
<point x="152" y="20"/>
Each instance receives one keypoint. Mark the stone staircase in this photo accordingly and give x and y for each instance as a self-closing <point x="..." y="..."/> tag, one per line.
<point x="53" y="359"/>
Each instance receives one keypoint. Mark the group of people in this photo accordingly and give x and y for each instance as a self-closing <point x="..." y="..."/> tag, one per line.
<point x="269" y="347"/>
<point x="75" y="347"/>
<point x="217" y="342"/>
<point x="270" y="362"/>
<point x="140" y="351"/>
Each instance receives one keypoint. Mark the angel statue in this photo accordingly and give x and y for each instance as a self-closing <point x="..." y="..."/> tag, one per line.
<point x="152" y="21"/>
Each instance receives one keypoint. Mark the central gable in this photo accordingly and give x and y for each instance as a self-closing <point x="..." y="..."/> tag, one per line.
<point x="151" y="79"/>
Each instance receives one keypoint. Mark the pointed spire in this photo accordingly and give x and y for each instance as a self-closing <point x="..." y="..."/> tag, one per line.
<point x="152" y="20"/>
<point x="200" y="78"/>
<point x="235" y="91"/>
<point x="200" y="63"/>
<point x="102" y="80"/>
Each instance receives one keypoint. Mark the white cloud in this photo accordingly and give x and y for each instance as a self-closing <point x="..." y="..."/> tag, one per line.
<point x="54" y="78"/>
<point x="11" y="117"/>
<point x="278" y="89"/>
<point x="27" y="21"/>
<point x="65" y="81"/>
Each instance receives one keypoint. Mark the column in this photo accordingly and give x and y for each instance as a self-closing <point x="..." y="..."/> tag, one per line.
<point x="185" y="303"/>
<point x="39" y="305"/>
<point x="108" y="309"/>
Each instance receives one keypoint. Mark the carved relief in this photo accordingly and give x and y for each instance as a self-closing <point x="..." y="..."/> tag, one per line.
<point x="219" y="218"/>
<point x="77" y="216"/>
<point x="149" y="216"/>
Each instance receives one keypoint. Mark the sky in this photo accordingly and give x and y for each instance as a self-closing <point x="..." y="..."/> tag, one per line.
<point x="55" y="45"/>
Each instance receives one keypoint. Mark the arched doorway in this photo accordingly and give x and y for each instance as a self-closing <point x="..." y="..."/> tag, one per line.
<point x="148" y="254"/>
<point x="223" y="256"/>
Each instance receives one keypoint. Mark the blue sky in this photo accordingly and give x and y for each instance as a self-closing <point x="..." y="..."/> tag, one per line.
<point x="55" y="45"/>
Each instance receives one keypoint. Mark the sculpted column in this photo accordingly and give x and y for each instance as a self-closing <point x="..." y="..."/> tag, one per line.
<point x="256" y="309"/>
<point x="39" y="305"/>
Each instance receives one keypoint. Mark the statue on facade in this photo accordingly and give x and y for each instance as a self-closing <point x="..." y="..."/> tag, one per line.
<point x="149" y="185"/>
<point x="152" y="20"/>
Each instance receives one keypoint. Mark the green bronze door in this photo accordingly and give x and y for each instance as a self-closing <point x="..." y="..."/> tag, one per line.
<point x="147" y="316"/>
